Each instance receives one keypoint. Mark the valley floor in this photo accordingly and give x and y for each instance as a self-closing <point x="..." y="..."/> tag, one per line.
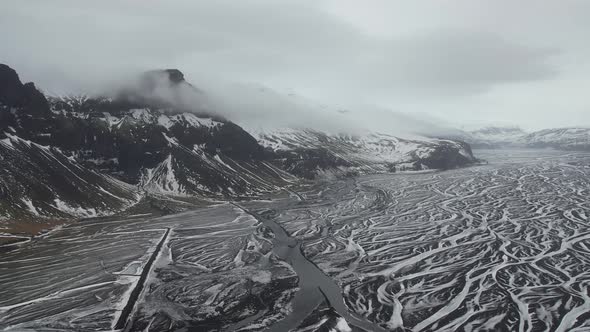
<point x="502" y="246"/>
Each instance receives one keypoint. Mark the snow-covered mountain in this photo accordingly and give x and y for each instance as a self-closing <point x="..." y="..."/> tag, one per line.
<point x="496" y="136"/>
<point x="313" y="138"/>
<point x="307" y="152"/>
<point x="559" y="138"/>
<point x="170" y="151"/>
<point x="514" y="137"/>
<point x="82" y="156"/>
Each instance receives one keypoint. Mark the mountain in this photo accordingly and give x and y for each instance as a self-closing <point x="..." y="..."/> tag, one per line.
<point x="495" y="136"/>
<point x="307" y="152"/>
<point x="514" y="137"/>
<point x="40" y="181"/>
<point x="87" y="156"/>
<point x="166" y="150"/>
<point x="312" y="138"/>
<point x="559" y="138"/>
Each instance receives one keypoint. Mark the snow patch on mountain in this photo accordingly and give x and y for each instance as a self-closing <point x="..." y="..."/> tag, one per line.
<point x="162" y="179"/>
<point x="30" y="206"/>
<point x="78" y="211"/>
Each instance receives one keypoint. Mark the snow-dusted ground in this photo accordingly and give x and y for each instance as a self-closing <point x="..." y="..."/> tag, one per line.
<point x="76" y="278"/>
<point x="502" y="246"/>
<point x="498" y="247"/>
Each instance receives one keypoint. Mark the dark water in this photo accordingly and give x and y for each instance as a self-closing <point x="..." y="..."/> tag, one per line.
<point x="314" y="285"/>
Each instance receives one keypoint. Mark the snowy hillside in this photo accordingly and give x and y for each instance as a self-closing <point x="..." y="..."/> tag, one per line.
<point x="38" y="181"/>
<point x="496" y="136"/>
<point x="561" y="138"/>
<point x="368" y="153"/>
<point x="171" y="152"/>
<point x="514" y="137"/>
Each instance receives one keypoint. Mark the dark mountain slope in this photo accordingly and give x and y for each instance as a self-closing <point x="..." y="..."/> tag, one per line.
<point x="39" y="181"/>
<point x="157" y="149"/>
<point x="87" y="156"/>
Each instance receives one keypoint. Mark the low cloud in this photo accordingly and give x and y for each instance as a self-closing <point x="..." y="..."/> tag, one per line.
<point x="69" y="47"/>
<point x="257" y="107"/>
<point x="283" y="41"/>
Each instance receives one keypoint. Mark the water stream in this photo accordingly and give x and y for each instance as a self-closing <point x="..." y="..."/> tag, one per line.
<point x="314" y="285"/>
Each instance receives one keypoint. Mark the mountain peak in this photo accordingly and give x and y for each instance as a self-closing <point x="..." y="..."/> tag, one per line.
<point x="174" y="75"/>
<point x="161" y="88"/>
<point x="10" y="86"/>
<point x="13" y="93"/>
<point x="170" y="76"/>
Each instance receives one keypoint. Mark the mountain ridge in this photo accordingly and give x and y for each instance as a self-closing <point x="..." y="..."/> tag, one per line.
<point x="566" y="138"/>
<point x="138" y="144"/>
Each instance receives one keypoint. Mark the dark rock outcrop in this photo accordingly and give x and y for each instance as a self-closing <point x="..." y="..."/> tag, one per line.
<point x="446" y="156"/>
<point x="24" y="98"/>
<point x="10" y="86"/>
<point x="306" y="163"/>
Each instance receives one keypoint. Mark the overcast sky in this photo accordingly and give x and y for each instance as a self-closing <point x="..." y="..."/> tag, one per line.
<point x="469" y="62"/>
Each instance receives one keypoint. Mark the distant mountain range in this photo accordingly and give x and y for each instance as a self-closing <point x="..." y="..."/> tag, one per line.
<point x="514" y="137"/>
<point x="91" y="156"/>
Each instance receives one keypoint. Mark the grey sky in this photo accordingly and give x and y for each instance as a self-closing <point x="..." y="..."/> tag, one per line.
<point x="468" y="62"/>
